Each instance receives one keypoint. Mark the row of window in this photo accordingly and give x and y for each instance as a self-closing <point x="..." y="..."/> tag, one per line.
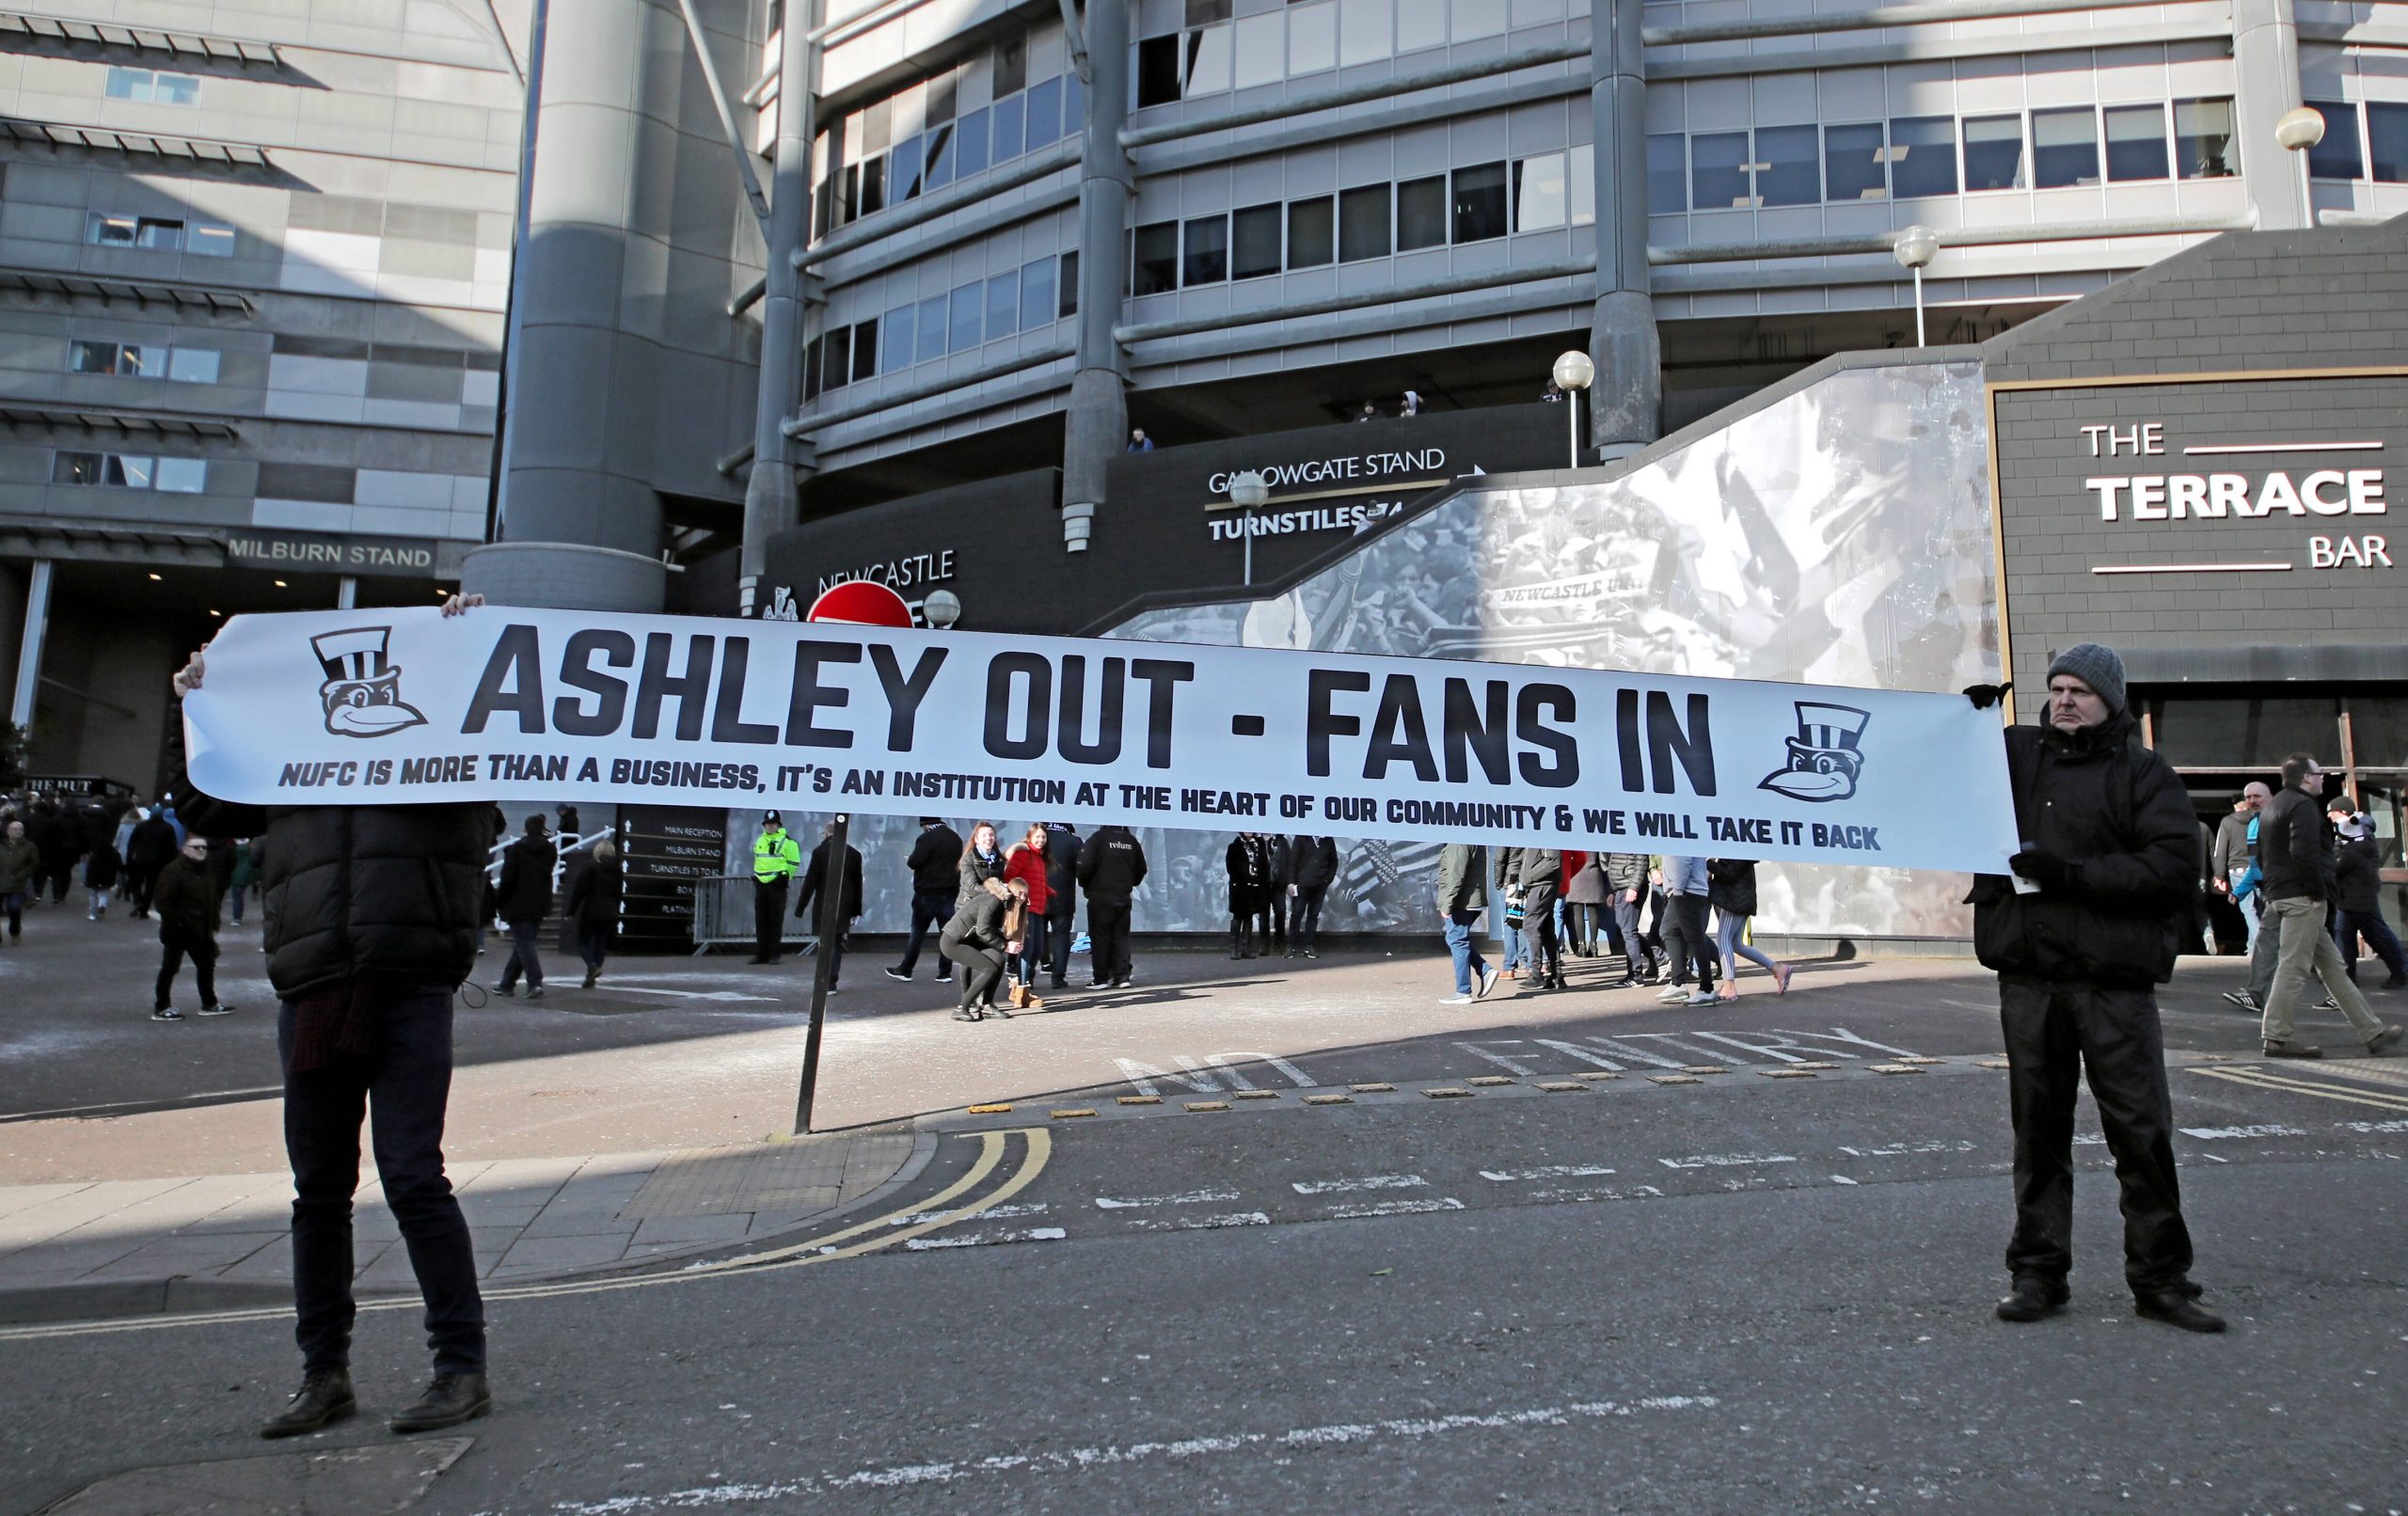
<point x="943" y="144"/>
<point x="983" y="311"/>
<point x="145" y="360"/>
<point x="130" y="471"/>
<point x="165" y="233"/>
<point x="1213" y="54"/>
<point x="152" y="86"/>
<point x="1475" y="203"/>
<point x="2386" y="139"/>
<point x="1915" y="156"/>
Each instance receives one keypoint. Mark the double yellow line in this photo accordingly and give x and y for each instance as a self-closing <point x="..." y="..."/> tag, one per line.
<point x="878" y="1232"/>
<point x="2266" y="1079"/>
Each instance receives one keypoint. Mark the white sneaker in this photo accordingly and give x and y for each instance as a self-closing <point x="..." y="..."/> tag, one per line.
<point x="1488" y="982"/>
<point x="1673" y="992"/>
<point x="1702" y="998"/>
<point x="1456" y="1000"/>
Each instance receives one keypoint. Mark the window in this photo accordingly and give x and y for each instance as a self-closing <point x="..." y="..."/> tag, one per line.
<point x="110" y="230"/>
<point x="968" y="317"/>
<point x="1205" y="12"/>
<point x="2203" y="140"/>
<point x="1363" y="223"/>
<point x="1312" y="233"/>
<point x="938" y="173"/>
<point x="1011" y="65"/>
<point x="1206" y="258"/>
<point x="2065" y="148"/>
<point x="898" y="335"/>
<point x="1853" y="162"/>
<point x="159" y="231"/>
<point x="1044" y="113"/>
<point x="1037" y="294"/>
<point x="182" y="476"/>
<point x="1366" y="32"/>
<point x="1420" y="23"/>
<point x="210" y="242"/>
<point x="1255" y="242"/>
<point x="1667" y="174"/>
<point x="1481" y="202"/>
<point x="1923" y="156"/>
<point x="2136" y="142"/>
<point x="1993" y="152"/>
<point x="1421" y="214"/>
<point x="930" y="320"/>
<point x="2387" y="141"/>
<point x="903" y="170"/>
<point x="160" y="89"/>
<point x="1074" y="105"/>
<point x="1003" y="305"/>
<point x="132" y="471"/>
<point x="2337" y="156"/>
<point x="92" y="357"/>
<point x="1263" y="50"/>
<point x="1158" y="70"/>
<point x="1538" y="192"/>
<point x="873" y="185"/>
<point x="194" y="365"/>
<point x="1580" y="169"/>
<point x="1788" y="167"/>
<point x="1010" y="126"/>
<point x="1155" y="269"/>
<point x="1312" y="38"/>
<point x="836" y="358"/>
<point x="865" y="349"/>
<point x="969" y="145"/>
<point x="1070" y="284"/>
<point x="82" y="468"/>
<point x="1209" y="59"/>
<point x="1719" y="171"/>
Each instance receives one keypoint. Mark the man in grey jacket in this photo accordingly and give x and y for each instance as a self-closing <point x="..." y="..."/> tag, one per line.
<point x="1462" y="895"/>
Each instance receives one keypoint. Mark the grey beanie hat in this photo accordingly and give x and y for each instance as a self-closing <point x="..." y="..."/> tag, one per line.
<point x="2096" y="666"/>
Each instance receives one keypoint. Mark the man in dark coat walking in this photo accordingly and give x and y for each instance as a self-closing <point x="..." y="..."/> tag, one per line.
<point x="2295" y="850"/>
<point x="2090" y="924"/>
<point x="816" y="886"/>
<point x="524" y="898"/>
<point x="1316" y="866"/>
<point x="186" y="898"/>
<point x="934" y="864"/>
<point x="146" y="853"/>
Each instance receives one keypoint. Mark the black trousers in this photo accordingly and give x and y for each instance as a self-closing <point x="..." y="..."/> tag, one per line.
<point x="1061" y="927"/>
<point x="1696" y="953"/>
<point x="2056" y="1032"/>
<point x="1107" y="940"/>
<point x="1304" y="914"/>
<point x="1275" y="915"/>
<point x="768" y="918"/>
<point x="172" y="950"/>
<point x="594" y="942"/>
<point x="1538" y="929"/>
<point x="402" y="1088"/>
<point x="930" y="908"/>
<point x="982" y="968"/>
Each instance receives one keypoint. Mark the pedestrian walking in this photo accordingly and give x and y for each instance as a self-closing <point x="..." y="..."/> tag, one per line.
<point x="102" y="867"/>
<point x="2357" y="890"/>
<point x="20" y="861"/>
<point x="1536" y="874"/>
<point x="1461" y="896"/>
<point x="2297" y="859"/>
<point x="367" y="911"/>
<point x="1731" y="890"/>
<point x="982" y="936"/>
<point x="524" y="898"/>
<point x="1687" y="892"/>
<point x="933" y="864"/>
<point x="1585" y="915"/>
<point x="1627" y="890"/>
<point x="1062" y="847"/>
<point x="1244" y="863"/>
<point x="1026" y="861"/>
<point x="593" y="898"/>
<point x="186" y="899"/>
<point x="1111" y="867"/>
<point x="60" y="839"/>
<point x="1507" y="917"/>
<point x="1316" y="865"/>
<point x="147" y="849"/>
<point x="2081" y="937"/>
<point x="775" y="857"/>
<point x="817" y="883"/>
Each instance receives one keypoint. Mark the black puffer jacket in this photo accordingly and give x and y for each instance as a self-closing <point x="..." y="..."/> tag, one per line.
<point x="2357" y="876"/>
<point x="1111" y="866"/>
<point x="525" y="891"/>
<point x="2295" y="847"/>
<point x="350" y="891"/>
<point x="1730" y="885"/>
<point x="2119" y="815"/>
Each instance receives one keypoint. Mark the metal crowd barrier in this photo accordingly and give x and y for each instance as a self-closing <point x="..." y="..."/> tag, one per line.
<point x="724" y="916"/>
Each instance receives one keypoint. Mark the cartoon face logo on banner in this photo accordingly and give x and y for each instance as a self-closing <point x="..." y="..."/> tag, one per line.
<point x="1824" y="758"/>
<point x="362" y="694"/>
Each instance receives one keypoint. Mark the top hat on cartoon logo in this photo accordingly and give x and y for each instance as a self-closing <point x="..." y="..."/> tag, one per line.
<point x="364" y="692"/>
<point x="1824" y="758"/>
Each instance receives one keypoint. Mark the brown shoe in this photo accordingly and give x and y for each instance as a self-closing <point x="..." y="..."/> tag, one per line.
<point x="2292" y="1049"/>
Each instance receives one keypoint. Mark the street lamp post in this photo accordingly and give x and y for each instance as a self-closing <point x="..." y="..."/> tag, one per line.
<point x="1915" y="248"/>
<point x="1248" y="491"/>
<point x="2300" y="129"/>
<point x="1574" y="371"/>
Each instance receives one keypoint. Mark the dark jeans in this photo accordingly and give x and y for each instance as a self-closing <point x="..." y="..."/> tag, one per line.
<point x="834" y="948"/>
<point x="594" y="942"/>
<point x="1033" y="948"/>
<point x="2055" y="1032"/>
<point x="1274" y="916"/>
<point x="1107" y="940"/>
<point x="402" y="1087"/>
<point x="205" y="967"/>
<point x="768" y="918"/>
<point x="982" y="968"/>
<point x="523" y="956"/>
<point x="930" y="908"/>
<point x="1061" y="927"/>
<point x="1538" y="928"/>
<point x="13" y="903"/>
<point x="1626" y="922"/>
<point x="1688" y="942"/>
<point x="2352" y="924"/>
<point x="1305" y="914"/>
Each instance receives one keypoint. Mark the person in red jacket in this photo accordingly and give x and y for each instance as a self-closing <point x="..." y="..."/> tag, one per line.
<point x="1026" y="860"/>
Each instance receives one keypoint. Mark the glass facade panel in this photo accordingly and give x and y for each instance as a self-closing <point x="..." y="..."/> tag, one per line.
<point x="1993" y="152"/>
<point x="2203" y="140"/>
<point x="2337" y="155"/>
<point x="1923" y="156"/>
<point x="1209" y="60"/>
<point x="2379" y="728"/>
<point x="932" y="324"/>
<point x="1719" y="171"/>
<point x="1667" y="174"/>
<point x="865" y="349"/>
<point x="1420" y="23"/>
<point x="938" y="172"/>
<point x="1254" y="243"/>
<point x="1366" y="31"/>
<point x="2065" y="148"/>
<point x="1311" y="234"/>
<point x="1003" y="305"/>
<point x="92" y="357"/>
<point x="1044" y="113"/>
<point x="1580" y="169"/>
<point x="969" y="145"/>
<point x="1037" y="294"/>
<point x="1206" y="256"/>
<point x="183" y="476"/>
<point x="1156" y="268"/>
<point x="898" y="335"/>
<point x="1421" y="214"/>
<point x="2246" y="729"/>
<point x="1363" y="223"/>
<point x="2387" y="141"/>
<point x="2136" y="143"/>
<point x="176" y="89"/>
<point x="1538" y="192"/>
<point x="194" y="365"/>
<point x="1158" y="70"/>
<point x="968" y="317"/>
<point x="903" y="170"/>
<point x="1261" y="50"/>
<point x="1789" y="170"/>
<point x="1008" y="123"/>
<point x="1481" y="204"/>
<point x="1854" y="164"/>
<point x="836" y="358"/>
<point x="1312" y="38"/>
<point x="1070" y="305"/>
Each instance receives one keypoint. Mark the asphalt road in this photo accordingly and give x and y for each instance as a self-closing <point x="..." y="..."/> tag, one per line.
<point x="1744" y="1293"/>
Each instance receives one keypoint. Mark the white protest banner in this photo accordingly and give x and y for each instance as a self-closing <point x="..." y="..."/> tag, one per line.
<point x="401" y="707"/>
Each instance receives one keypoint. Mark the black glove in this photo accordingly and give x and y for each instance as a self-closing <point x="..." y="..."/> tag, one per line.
<point x="2047" y="870"/>
<point x="1985" y="696"/>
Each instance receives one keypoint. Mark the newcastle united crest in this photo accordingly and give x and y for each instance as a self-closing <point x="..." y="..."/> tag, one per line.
<point x="1824" y="758"/>
<point x="362" y="694"/>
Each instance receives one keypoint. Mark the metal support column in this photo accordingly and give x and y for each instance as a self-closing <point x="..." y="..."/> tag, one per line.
<point x="346" y="593"/>
<point x="772" y="492"/>
<point x="1627" y="404"/>
<point x="21" y="710"/>
<point x="1097" y="425"/>
<point x="2265" y="66"/>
